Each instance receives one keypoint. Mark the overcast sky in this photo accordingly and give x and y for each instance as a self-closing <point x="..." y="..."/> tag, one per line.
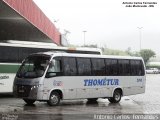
<point x="107" y="22"/>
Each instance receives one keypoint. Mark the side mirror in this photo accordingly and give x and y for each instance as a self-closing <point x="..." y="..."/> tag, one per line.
<point x="50" y="74"/>
<point x="53" y="74"/>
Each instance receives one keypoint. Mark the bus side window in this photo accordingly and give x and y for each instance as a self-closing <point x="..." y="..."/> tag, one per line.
<point x="84" y="66"/>
<point x="124" y="67"/>
<point x="98" y="67"/>
<point x="70" y="67"/>
<point x="111" y="67"/>
<point x="55" y="68"/>
<point x="140" y="68"/>
<point x="137" y="68"/>
<point x="133" y="67"/>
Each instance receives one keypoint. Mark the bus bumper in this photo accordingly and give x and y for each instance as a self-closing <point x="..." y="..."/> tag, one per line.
<point x="26" y="91"/>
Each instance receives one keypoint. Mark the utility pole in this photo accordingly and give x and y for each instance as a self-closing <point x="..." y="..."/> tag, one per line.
<point x="84" y="36"/>
<point x="140" y="37"/>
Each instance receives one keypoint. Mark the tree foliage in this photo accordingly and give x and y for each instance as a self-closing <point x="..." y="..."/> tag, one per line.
<point x="107" y="51"/>
<point x="146" y="54"/>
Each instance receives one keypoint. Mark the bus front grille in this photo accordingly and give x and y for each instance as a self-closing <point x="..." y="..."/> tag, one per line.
<point x="23" y="90"/>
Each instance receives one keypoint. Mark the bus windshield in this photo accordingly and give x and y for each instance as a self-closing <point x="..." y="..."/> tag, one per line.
<point x="33" y="67"/>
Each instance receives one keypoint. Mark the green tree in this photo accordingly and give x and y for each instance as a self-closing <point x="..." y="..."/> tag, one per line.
<point x="107" y="51"/>
<point x="146" y="54"/>
<point x="129" y="51"/>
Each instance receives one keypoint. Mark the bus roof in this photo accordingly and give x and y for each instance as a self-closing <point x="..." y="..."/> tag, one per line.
<point x="53" y="53"/>
<point x="50" y="46"/>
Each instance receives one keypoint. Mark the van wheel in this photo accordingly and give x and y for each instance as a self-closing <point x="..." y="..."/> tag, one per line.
<point x="116" y="97"/>
<point x="54" y="99"/>
<point x="92" y="99"/>
<point x="29" y="101"/>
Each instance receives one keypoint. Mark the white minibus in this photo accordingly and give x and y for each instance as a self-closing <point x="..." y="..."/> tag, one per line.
<point x="55" y="76"/>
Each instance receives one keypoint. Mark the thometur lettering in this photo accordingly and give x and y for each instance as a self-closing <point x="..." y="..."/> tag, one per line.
<point x="100" y="82"/>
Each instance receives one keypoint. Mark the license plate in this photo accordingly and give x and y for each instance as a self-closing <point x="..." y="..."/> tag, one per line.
<point x="21" y="91"/>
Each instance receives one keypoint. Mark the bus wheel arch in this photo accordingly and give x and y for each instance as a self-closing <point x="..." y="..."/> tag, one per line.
<point x="117" y="95"/>
<point x="55" y="97"/>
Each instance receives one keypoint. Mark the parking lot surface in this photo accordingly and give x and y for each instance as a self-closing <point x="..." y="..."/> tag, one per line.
<point x="147" y="103"/>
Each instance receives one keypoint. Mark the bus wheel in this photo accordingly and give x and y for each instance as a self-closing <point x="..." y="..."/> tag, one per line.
<point x="92" y="99"/>
<point x="54" y="99"/>
<point x="29" y="102"/>
<point x="116" y="97"/>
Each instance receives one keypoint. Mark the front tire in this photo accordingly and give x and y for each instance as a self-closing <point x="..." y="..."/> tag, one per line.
<point x="29" y="101"/>
<point x="117" y="95"/>
<point x="54" y="99"/>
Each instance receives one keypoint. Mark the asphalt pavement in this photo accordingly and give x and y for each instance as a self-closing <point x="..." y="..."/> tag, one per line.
<point x="143" y="104"/>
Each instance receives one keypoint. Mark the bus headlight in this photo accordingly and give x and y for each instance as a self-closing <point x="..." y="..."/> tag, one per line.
<point x="35" y="86"/>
